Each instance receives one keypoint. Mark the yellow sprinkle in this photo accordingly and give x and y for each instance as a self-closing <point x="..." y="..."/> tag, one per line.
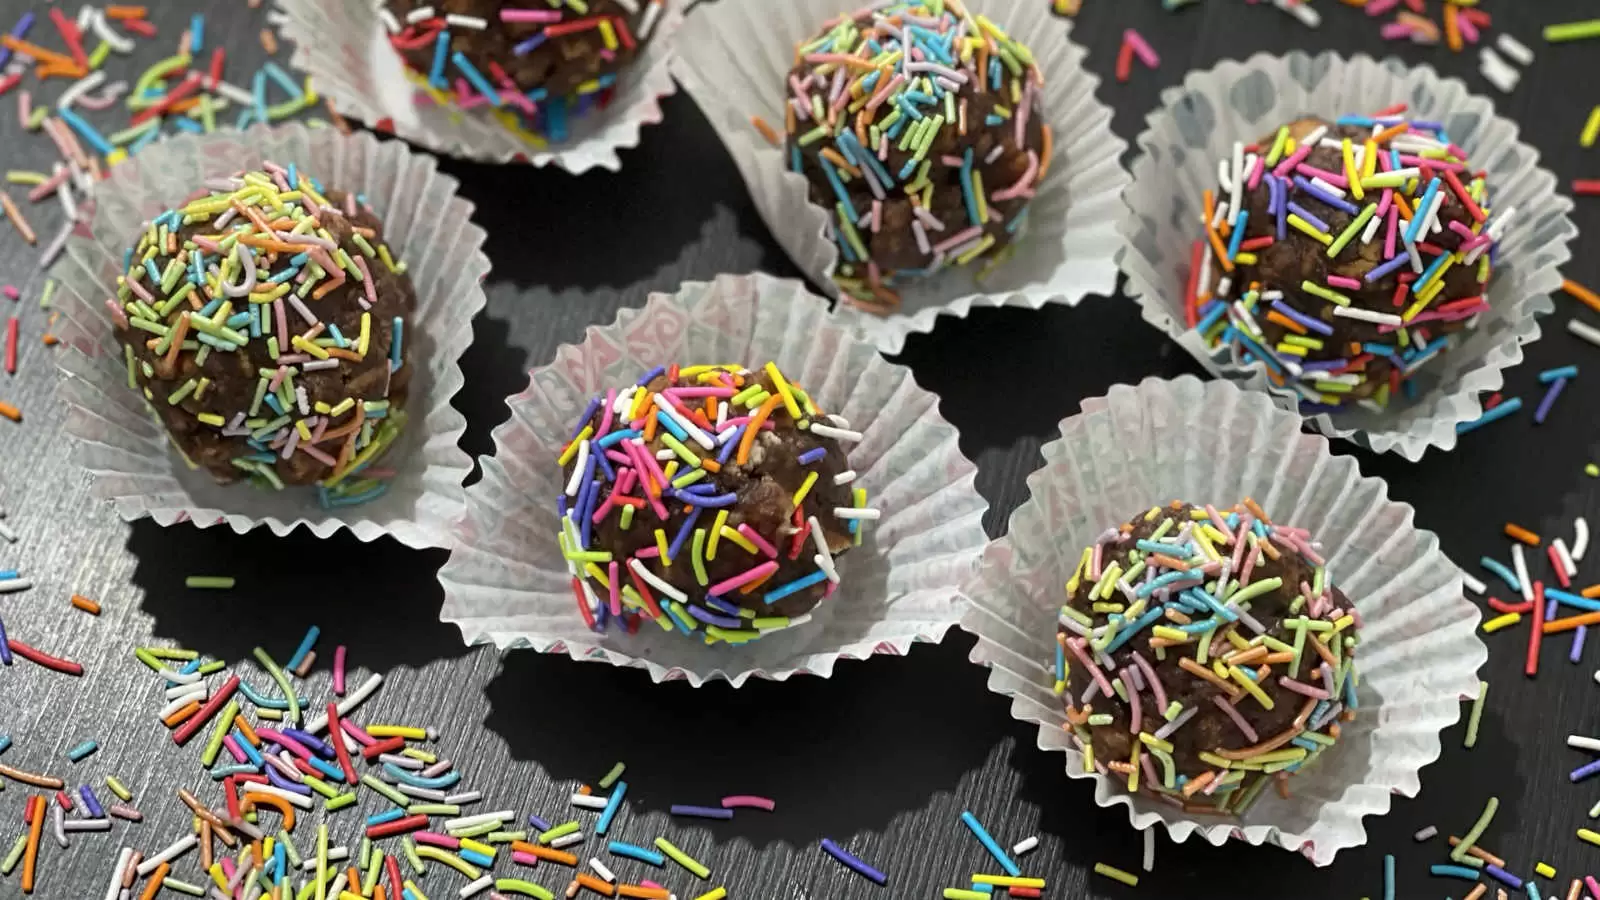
<point x="572" y="449"/>
<point x="661" y="547"/>
<point x="1499" y="622"/>
<point x="716" y="533"/>
<point x="737" y="538"/>
<point x="782" y="385"/>
<point x="805" y="488"/>
<point x="1588" y="836"/>
<point x="1116" y="874"/>
<point x="1250" y="687"/>
<point x="1008" y="881"/>
<point x="1544" y="869"/>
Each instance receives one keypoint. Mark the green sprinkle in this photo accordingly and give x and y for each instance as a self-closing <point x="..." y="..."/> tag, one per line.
<point x="1476" y="715"/>
<point x="216" y="582"/>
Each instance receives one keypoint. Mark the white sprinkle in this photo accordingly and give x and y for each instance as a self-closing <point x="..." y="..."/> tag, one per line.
<point x="335" y="854"/>
<point x="1149" y="849"/>
<point x="1372" y="229"/>
<point x="1316" y="136"/>
<point x="578" y="469"/>
<point x="589" y="801"/>
<point x="1327" y="186"/>
<point x="1580" y="543"/>
<point x="1425" y="833"/>
<point x="78" y="88"/>
<point x="464" y="798"/>
<point x="101" y="824"/>
<point x="1514" y="48"/>
<point x="631" y="7"/>
<point x="301" y="800"/>
<point x="1472" y="583"/>
<point x="1497" y="71"/>
<point x="179" y="847"/>
<point x="568" y="841"/>
<point x="1025" y="846"/>
<point x="1578" y="742"/>
<point x="698" y="436"/>
<point x="845" y="512"/>
<point x="235" y="93"/>
<point x="1588" y="333"/>
<point x="838" y="434"/>
<point x="461" y="21"/>
<point x="389" y="21"/>
<point x="648" y="23"/>
<point x="1367" y="315"/>
<point x="418" y="14"/>
<point x="656" y="582"/>
<point x="1565" y="556"/>
<point x="320" y="721"/>
<point x="1219" y="214"/>
<point x="664" y="455"/>
<point x="115" y="886"/>
<point x="475" y="888"/>
<point x="1225" y="287"/>
<point x="497" y="817"/>
<point x="178" y="704"/>
<point x="824" y="556"/>
<point x="1519" y="565"/>
<point x="1302" y="11"/>
<point x="1236" y="186"/>
<point x="431" y="795"/>
<point x="601" y="870"/>
<point x="845" y="477"/>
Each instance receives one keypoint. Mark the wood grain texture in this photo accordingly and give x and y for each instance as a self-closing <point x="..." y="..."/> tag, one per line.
<point x="884" y="756"/>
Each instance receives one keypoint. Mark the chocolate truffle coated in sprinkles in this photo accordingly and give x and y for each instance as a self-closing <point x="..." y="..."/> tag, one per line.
<point x="710" y="499"/>
<point x="537" y="64"/>
<point x="264" y="321"/>
<point x="1343" y="255"/>
<point x="917" y="125"/>
<point x="1204" y="652"/>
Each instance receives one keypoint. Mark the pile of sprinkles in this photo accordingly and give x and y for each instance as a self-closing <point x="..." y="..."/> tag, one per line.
<point x="1227" y="609"/>
<point x="710" y="499"/>
<point x="919" y="126"/>
<point x="235" y="294"/>
<point x="1398" y="227"/>
<point x="186" y="92"/>
<point x="441" y="45"/>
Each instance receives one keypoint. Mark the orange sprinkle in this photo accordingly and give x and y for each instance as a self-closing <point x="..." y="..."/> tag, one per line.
<point x="1578" y="291"/>
<point x="595" y="884"/>
<point x="1281" y="319"/>
<point x="1555" y="626"/>
<point x="1478" y="891"/>
<point x="1480" y="853"/>
<point x="10" y="412"/>
<point x="245" y="729"/>
<point x="585" y="790"/>
<point x="39" y="53"/>
<point x="15" y="215"/>
<point x="177" y="717"/>
<point x="125" y="12"/>
<point x="555" y="856"/>
<point x="1592" y="591"/>
<point x="754" y="427"/>
<point x="766" y="131"/>
<point x="1390" y="133"/>
<point x="639" y="890"/>
<point x="85" y="604"/>
<point x="1201" y="672"/>
<point x="153" y="886"/>
<point x="1518" y="533"/>
<point x="269" y="42"/>
<point x="1220" y="248"/>
<point x="30" y="857"/>
<point x="1250" y="504"/>
<point x="1046" y="145"/>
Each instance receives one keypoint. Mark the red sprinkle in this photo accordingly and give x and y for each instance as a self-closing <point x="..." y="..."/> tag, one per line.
<point x="387" y="745"/>
<point x="64" y="666"/>
<point x="11" y="346"/>
<point x="398" y="826"/>
<point x="211" y="707"/>
<point x="1191" y="293"/>
<point x="1535" y="634"/>
<point x="1589" y="187"/>
<point x="1501" y="606"/>
<point x="339" y="750"/>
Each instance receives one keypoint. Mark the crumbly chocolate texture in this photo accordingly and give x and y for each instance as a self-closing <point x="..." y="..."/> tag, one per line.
<point x="1298" y="257"/>
<point x="765" y="486"/>
<point x="990" y="125"/>
<point x="1210" y="729"/>
<point x="557" y="65"/>
<point x="233" y="376"/>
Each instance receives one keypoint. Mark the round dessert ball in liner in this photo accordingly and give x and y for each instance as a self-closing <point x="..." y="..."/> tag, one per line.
<point x="1213" y="443"/>
<point x="425" y="226"/>
<point x="735" y="58"/>
<point x="1199" y="123"/>
<point x="507" y="580"/>
<point x="344" y="45"/>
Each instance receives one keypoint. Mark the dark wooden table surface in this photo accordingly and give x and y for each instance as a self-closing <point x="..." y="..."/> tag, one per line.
<point x="884" y="756"/>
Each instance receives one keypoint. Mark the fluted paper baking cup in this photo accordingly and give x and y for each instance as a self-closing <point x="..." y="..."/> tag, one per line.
<point x="733" y="58"/>
<point x="507" y="582"/>
<point x="1214" y="443"/>
<point x="1199" y="122"/>
<point x="345" y="49"/>
<point x="118" y="440"/>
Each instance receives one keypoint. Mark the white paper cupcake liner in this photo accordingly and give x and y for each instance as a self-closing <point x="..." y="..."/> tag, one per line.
<point x="1199" y="122"/>
<point x="343" y="46"/>
<point x="733" y="58"/>
<point x="118" y="440"/>
<point x="507" y="582"/>
<point x="1212" y="442"/>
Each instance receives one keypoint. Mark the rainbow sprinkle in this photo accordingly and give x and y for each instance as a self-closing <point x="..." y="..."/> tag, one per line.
<point x="1179" y="597"/>
<point x="538" y="108"/>
<point x="1407" y="240"/>
<point x="275" y="243"/>
<point x="686" y="503"/>
<point x="919" y="126"/>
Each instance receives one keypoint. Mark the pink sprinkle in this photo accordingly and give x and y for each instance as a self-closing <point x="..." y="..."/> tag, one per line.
<point x="357" y="732"/>
<point x="1344" y="282"/>
<point x="272" y="736"/>
<point x="1249" y="732"/>
<point x="748" y="801"/>
<point x="745" y="577"/>
<point x="1141" y="48"/>
<point x="116" y="313"/>
<point x="755" y="538"/>
<point x="1377" y="8"/>
<point x="524" y="859"/>
<point x="233" y="748"/>
<point x="530" y="15"/>
<point x="338" y="670"/>
<point x="436" y="839"/>
<point x="11" y="292"/>
<point x="650" y="884"/>
<point x="1396" y="31"/>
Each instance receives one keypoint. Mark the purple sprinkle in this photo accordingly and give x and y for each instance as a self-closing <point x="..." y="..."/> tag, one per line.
<point x="727" y="499"/>
<point x="91" y="802"/>
<point x="813" y="455"/>
<point x="1583" y="772"/>
<point x="1510" y="880"/>
<point x="538" y="823"/>
<point x="703" y="812"/>
<point x="312" y="742"/>
<point x="588" y="413"/>
<point x="21" y="29"/>
<point x="711" y="618"/>
<point x="1282" y="195"/>
<point x="527" y="46"/>
<point x="1379" y="272"/>
<point x="1316" y="325"/>
<point x="5" y="649"/>
<point x="1327" y="365"/>
<point x="1310" y="217"/>
<point x="1305" y="185"/>
<point x="282" y="782"/>
<point x="855" y="865"/>
<point x="683" y="534"/>
<point x="649" y="376"/>
<point x="1548" y="401"/>
<point x="721" y="605"/>
<point x="1577" y="643"/>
